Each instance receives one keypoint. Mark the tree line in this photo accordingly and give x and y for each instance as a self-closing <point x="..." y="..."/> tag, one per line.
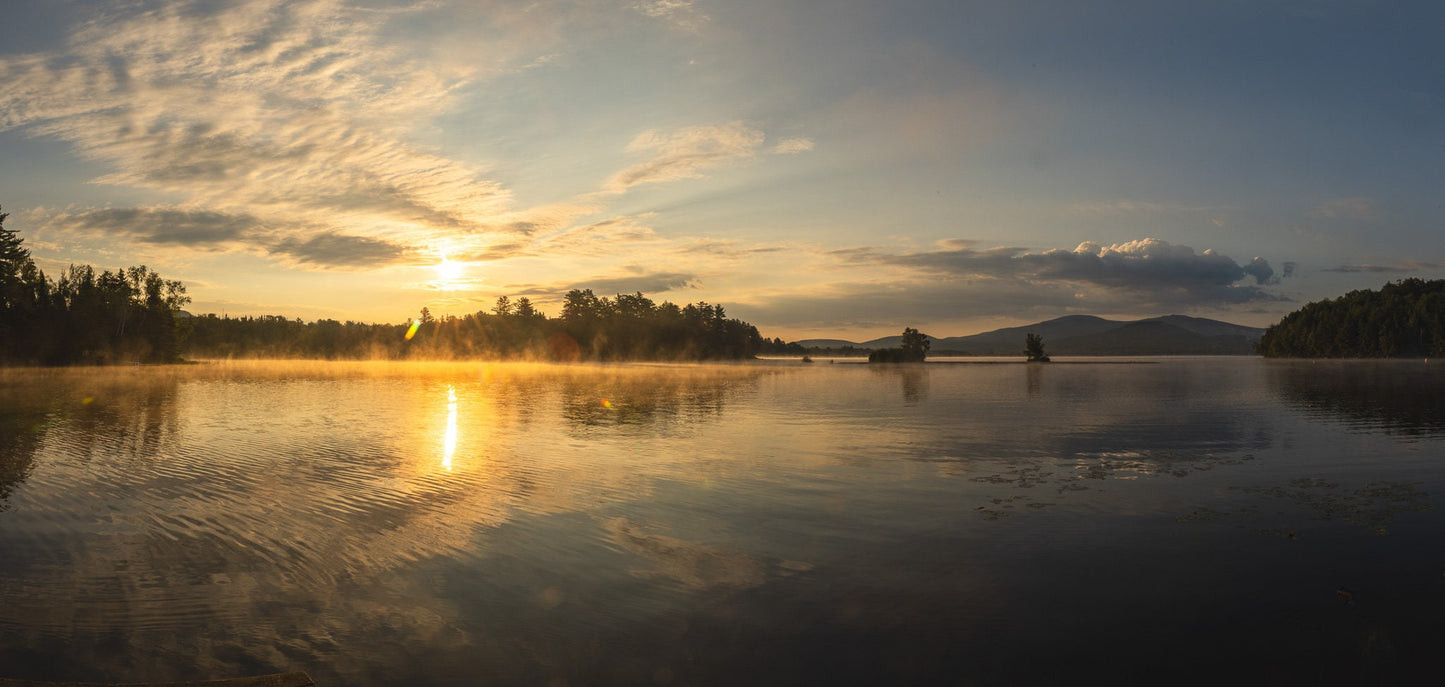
<point x="593" y="328"/>
<point x="1404" y="319"/>
<point x="129" y="315"/>
<point x="134" y="315"/>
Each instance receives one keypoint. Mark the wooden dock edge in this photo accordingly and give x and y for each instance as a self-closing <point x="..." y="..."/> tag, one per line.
<point x="295" y="679"/>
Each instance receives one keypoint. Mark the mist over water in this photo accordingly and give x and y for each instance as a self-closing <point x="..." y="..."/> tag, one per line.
<point x="386" y="523"/>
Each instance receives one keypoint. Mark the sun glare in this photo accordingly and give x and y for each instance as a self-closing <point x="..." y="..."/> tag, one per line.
<point x="448" y="272"/>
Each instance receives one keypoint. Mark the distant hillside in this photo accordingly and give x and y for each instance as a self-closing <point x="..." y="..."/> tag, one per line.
<point x="1153" y="337"/>
<point x="1010" y="340"/>
<point x="1090" y="335"/>
<point x="828" y="343"/>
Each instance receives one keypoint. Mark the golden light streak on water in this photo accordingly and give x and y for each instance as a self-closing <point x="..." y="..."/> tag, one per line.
<point x="450" y="444"/>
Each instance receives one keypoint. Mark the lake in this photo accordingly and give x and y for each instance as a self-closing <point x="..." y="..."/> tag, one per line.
<point x="1156" y="521"/>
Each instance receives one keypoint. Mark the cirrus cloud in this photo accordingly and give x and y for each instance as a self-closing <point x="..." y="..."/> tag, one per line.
<point x="288" y="113"/>
<point x="686" y="153"/>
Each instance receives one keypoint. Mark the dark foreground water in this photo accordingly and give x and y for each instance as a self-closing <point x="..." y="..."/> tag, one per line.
<point x="1181" y="521"/>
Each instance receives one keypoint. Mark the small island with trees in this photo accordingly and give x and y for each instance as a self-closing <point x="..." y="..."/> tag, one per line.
<point x="912" y="349"/>
<point x="1034" y="349"/>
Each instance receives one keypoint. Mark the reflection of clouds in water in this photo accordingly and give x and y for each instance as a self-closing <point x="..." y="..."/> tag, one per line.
<point x="303" y="516"/>
<point x="287" y="496"/>
<point x="650" y="402"/>
<point x="912" y="379"/>
<point x="694" y="564"/>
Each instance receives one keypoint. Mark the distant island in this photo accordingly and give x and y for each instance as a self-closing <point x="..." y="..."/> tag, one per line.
<point x="912" y="348"/>
<point x="1075" y="335"/>
<point x="1404" y="319"/>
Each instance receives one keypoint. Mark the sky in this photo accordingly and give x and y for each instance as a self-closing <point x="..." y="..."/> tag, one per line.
<point x="836" y="168"/>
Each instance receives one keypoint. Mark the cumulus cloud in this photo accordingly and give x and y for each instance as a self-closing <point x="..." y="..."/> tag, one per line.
<point x="1151" y="269"/>
<point x="686" y="153"/>
<point x="1261" y="271"/>
<point x="873" y="304"/>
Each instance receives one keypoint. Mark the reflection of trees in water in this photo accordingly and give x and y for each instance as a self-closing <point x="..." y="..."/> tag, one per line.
<point x="282" y="502"/>
<point x="912" y="379"/>
<point x="1077" y="427"/>
<point x="20" y="436"/>
<point x="117" y="413"/>
<point x="649" y="399"/>
<point x="1405" y="397"/>
<point x="1034" y="380"/>
<point x="129" y="419"/>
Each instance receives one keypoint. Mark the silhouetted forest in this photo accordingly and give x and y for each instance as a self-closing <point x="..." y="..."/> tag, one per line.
<point x="129" y="315"/>
<point x="627" y="327"/>
<point x="1404" y="319"/>
<point x="133" y="315"/>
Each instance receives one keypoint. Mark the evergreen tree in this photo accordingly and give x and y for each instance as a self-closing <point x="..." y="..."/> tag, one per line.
<point x="1034" y="348"/>
<point x="1405" y="318"/>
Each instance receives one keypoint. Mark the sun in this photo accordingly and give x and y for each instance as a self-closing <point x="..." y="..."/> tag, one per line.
<point x="448" y="272"/>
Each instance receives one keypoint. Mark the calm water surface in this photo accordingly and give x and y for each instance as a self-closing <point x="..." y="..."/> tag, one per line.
<point x="1176" y="521"/>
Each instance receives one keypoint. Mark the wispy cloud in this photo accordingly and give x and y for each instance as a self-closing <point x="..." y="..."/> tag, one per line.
<point x="1119" y="208"/>
<point x="1351" y="208"/>
<point x="790" y="146"/>
<point x="637" y="279"/>
<point x="681" y="13"/>
<point x="290" y="129"/>
<point x="613" y="235"/>
<point x="1405" y="267"/>
<point x="334" y="250"/>
<point x="202" y="229"/>
<point x="296" y="113"/>
<point x="687" y="153"/>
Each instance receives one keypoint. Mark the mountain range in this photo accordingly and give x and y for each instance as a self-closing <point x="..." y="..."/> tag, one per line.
<point x="1090" y="335"/>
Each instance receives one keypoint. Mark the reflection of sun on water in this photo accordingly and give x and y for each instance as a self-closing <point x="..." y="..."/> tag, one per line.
<point x="449" y="447"/>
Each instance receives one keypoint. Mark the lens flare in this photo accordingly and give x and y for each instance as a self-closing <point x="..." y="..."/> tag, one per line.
<point x="606" y="403"/>
<point x="411" y="331"/>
